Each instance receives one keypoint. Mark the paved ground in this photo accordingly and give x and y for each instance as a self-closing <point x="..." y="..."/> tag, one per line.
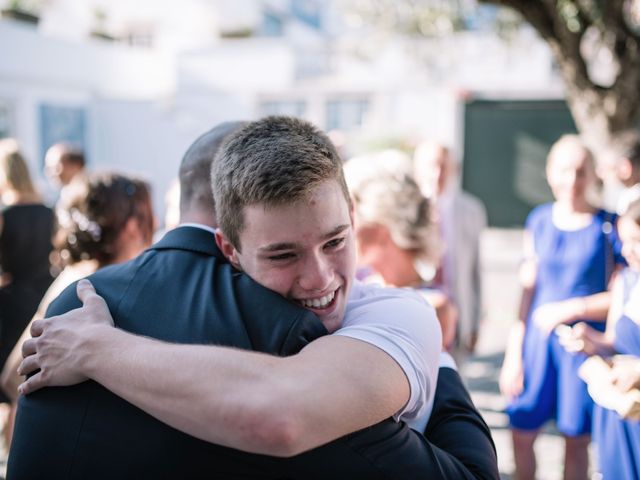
<point x="500" y="256"/>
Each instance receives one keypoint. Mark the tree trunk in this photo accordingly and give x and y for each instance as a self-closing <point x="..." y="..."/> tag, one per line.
<point x="600" y="112"/>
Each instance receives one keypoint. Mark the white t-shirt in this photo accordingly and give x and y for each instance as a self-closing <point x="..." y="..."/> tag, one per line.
<point x="405" y="326"/>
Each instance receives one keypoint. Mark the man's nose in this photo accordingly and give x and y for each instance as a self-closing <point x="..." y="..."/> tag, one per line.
<point x="317" y="273"/>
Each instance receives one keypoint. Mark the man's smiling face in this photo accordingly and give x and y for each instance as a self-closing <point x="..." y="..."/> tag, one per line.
<point x="304" y="251"/>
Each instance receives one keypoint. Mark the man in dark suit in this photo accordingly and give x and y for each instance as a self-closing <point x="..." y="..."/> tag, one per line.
<point x="143" y="289"/>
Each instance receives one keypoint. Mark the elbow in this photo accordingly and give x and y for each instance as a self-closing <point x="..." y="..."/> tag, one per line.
<point x="262" y="421"/>
<point x="277" y="432"/>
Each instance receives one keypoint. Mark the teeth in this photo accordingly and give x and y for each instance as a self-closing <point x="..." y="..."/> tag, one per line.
<point x="318" y="302"/>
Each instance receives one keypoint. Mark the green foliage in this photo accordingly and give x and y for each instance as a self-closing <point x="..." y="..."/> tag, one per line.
<point x="28" y="6"/>
<point x="570" y="13"/>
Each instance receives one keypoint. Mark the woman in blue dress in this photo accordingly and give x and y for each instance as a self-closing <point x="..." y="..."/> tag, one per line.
<point x="571" y="250"/>
<point x="617" y="439"/>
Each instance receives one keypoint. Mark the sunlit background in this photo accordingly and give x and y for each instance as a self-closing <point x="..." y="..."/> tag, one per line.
<point x="135" y="82"/>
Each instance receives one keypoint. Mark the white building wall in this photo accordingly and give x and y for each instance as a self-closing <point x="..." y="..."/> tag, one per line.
<point x="120" y="90"/>
<point x="144" y="106"/>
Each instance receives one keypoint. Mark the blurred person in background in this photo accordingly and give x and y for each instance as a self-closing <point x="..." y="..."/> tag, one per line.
<point x="395" y="236"/>
<point x="461" y="218"/>
<point x="617" y="439"/>
<point x="628" y="170"/>
<point x="571" y="251"/>
<point x="107" y="218"/>
<point x="64" y="164"/>
<point x="26" y="227"/>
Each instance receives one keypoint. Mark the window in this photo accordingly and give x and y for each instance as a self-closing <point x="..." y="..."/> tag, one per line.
<point x="294" y="108"/>
<point x="272" y="25"/>
<point x="5" y="120"/>
<point x="346" y="114"/>
<point x="307" y="11"/>
<point x="61" y="123"/>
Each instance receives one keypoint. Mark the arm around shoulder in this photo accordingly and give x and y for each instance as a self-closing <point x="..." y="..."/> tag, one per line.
<point x="246" y="400"/>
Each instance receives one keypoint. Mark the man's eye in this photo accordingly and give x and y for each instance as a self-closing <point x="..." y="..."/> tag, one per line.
<point x="281" y="256"/>
<point x="335" y="243"/>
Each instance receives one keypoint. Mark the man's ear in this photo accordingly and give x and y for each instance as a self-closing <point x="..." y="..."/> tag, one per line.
<point x="227" y="249"/>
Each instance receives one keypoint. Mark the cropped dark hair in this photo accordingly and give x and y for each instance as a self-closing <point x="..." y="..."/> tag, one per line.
<point x="73" y="155"/>
<point x="95" y="214"/>
<point x="195" y="169"/>
<point x="273" y="161"/>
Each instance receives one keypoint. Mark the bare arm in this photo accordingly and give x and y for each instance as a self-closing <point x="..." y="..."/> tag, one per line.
<point x="512" y="375"/>
<point x="9" y="378"/>
<point x="245" y="400"/>
<point x="584" y="338"/>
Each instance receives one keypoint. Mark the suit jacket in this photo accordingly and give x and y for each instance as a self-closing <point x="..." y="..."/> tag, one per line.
<point x="183" y="290"/>
<point x="463" y="218"/>
<point x="458" y="433"/>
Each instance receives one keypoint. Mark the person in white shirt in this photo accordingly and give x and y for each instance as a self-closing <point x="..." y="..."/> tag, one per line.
<point x="286" y="220"/>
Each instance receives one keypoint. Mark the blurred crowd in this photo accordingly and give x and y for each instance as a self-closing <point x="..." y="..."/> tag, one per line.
<point x="99" y="219"/>
<point x="573" y="356"/>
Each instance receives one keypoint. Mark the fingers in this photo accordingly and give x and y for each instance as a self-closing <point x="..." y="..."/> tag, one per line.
<point x="85" y="291"/>
<point x="37" y="327"/>
<point x="29" y="347"/>
<point x="31" y="384"/>
<point x="573" y="346"/>
<point x="29" y="365"/>
<point x="623" y="384"/>
<point x="89" y="297"/>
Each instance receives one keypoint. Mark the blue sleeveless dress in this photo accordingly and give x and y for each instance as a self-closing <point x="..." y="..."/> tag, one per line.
<point x="571" y="264"/>
<point x="618" y="440"/>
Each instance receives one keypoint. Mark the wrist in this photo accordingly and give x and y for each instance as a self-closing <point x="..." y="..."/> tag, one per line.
<point x="516" y="338"/>
<point x="578" y="308"/>
<point x="93" y="351"/>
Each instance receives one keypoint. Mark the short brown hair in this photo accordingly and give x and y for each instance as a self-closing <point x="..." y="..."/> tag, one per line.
<point x="273" y="161"/>
<point x="95" y="214"/>
<point x="195" y="169"/>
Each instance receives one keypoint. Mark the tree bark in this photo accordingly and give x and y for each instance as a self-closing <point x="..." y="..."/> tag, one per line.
<point x="600" y="112"/>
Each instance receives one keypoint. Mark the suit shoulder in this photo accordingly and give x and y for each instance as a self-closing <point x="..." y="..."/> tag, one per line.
<point x="67" y="300"/>
<point x="110" y="282"/>
<point x="471" y="202"/>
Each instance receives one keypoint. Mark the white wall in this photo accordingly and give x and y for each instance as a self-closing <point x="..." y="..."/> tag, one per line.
<point x="121" y="91"/>
<point x="145" y="106"/>
<point x="104" y="69"/>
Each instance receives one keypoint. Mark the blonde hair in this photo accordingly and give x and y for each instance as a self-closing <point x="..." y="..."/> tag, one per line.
<point x="570" y="142"/>
<point x="389" y="196"/>
<point x="361" y="168"/>
<point x="14" y="167"/>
